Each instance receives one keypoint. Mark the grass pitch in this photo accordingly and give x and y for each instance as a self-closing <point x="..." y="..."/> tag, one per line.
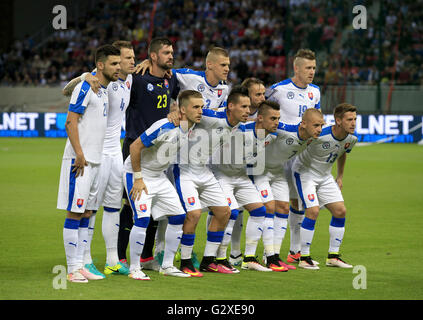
<point x="382" y="191"/>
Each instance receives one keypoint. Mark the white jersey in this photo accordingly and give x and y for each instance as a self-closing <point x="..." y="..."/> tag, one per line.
<point x="285" y="147"/>
<point x="119" y="96"/>
<point x="93" y="122"/>
<point x="162" y="141"/>
<point x="213" y="131"/>
<point x="245" y="154"/>
<point x="293" y="100"/>
<point x="319" y="157"/>
<point x="214" y="96"/>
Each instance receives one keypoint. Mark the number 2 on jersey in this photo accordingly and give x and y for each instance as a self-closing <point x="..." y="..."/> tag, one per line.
<point x="162" y="101"/>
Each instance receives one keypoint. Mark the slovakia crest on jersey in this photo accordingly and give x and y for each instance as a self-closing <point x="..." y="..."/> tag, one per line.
<point x="191" y="201"/>
<point x="264" y="193"/>
<point x="143" y="207"/>
<point x="128" y="85"/>
<point x="310" y="95"/>
<point x="79" y="202"/>
<point x="229" y="201"/>
<point x="219" y="92"/>
<point x="201" y="87"/>
<point x="311" y="197"/>
<point x="166" y="83"/>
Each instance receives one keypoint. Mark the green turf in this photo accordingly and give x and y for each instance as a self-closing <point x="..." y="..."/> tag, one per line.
<point x="384" y="230"/>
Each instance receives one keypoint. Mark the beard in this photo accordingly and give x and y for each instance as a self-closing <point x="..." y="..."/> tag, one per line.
<point x="109" y="77"/>
<point x="165" y="66"/>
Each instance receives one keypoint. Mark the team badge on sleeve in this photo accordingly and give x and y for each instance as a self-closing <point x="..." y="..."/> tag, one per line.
<point x="143" y="207"/>
<point x="264" y="193"/>
<point x="311" y="197"/>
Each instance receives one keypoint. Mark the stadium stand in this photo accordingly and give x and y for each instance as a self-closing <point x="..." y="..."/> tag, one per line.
<point x="261" y="36"/>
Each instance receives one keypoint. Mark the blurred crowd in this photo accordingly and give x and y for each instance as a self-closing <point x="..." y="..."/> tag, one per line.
<point x="261" y="37"/>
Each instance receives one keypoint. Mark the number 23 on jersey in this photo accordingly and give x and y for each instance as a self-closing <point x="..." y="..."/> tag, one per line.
<point x="162" y="101"/>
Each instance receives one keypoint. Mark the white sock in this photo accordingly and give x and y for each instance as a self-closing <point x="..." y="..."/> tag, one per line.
<point x="227" y="235"/>
<point x="208" y="220"/>
<point x="307" y="233"/>
<point x="70" y="241"/>
<point x="160" y="236"/>
<point x="172" y="240"/>
<point x="136" y="244"/>
<point x="187" y="245"/>
<point x="253" y="233"/>
<point x="295" y="219"/>
<point x="336" y="234"/>
<point x="280" y="224"/>
<point x="236" y="234"/>
<point x="82" y="240"/>
<point x="87" y="252"/>
<point x="268" y="234"/>
<point x="214" y="238"/>
<point x="110" y="230"/>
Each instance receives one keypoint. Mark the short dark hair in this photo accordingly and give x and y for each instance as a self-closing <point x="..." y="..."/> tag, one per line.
<point x="185" y="95"/>
<point x="122" y="44"/>
<point x="266" y="105"/>
<point x="103" y="52"/>
<point x="251" y="81"/>
<point x="157" y="43"/>
<point x="342" y="108"/>
<point x="236" y="92"/>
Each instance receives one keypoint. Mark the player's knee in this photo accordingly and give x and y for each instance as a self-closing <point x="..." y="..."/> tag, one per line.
<point x="282" y="207"/>
<point x="340" y="212"/>
<point x="193" y="216"/>
<point x="312" y="213"/>
<point x="270" y="206"/>
<point x="294" y="203"/>
<point x="88" y="213"/>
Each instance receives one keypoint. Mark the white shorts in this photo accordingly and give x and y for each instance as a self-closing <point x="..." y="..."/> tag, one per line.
<point x="238" y="190"/>
<point x="110" y="181"/>
<point x="288" y="175"/>
<point x="275" y="185"/>
<point x="161" y="201"/>
<point x="316" y="191"/>
<point x="198" y="190"/>
<point x="77" y="194"/>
